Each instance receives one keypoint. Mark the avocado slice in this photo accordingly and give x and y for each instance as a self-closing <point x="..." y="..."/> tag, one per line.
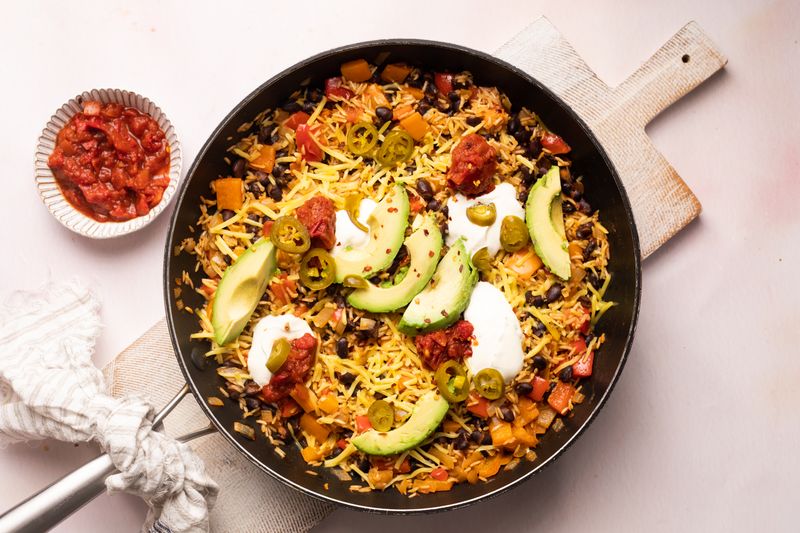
<point x="387" y="228"/>
<point x="446" y="296"/>
<point x="240" y="290"/>
<point x="545" y="222"/>
<point x="424" y="247"/>
<point x="426" y="417"/>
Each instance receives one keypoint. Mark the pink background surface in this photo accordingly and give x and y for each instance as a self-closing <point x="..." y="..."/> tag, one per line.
<point x="701" y="431"/>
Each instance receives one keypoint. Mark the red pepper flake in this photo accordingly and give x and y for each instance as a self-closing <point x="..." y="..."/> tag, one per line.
<point x="393" y="210"/>
<point x="388" y="250"/>
<point x="430" y="253"/>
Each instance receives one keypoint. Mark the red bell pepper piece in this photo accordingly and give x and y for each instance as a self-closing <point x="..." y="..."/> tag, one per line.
<point x="333" y="88"/>
<point x="301" y="117"/>
<point x="554" y="144"/>
<point x="443" y="82"/>
<point x="478" y="405"/>
<point x="540" y="386"/>
<point x="560" y="397"/>
<point x="439" y="474"/>
<point x="582" y="368"/>
<point x="405" y="466"/>
<point x="289" y="408"/>
<point x="362" y="423"/>
<point x="307" y="145"/>
<point x="341" y="444"/>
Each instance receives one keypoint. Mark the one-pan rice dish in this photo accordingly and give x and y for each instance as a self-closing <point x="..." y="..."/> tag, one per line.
<point x="401" y="279"/>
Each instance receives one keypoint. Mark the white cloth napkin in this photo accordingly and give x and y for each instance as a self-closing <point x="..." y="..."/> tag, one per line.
<point x="49" y="388"/>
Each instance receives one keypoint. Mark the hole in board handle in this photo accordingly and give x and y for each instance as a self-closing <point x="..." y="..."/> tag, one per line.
<point x="685" y="58"/>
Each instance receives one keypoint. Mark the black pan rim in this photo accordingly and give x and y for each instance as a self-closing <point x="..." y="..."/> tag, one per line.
<point x="227" y="433"/>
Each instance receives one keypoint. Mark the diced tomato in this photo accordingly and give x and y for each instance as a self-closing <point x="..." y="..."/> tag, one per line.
<point x="554" y="144"/>
<point x="341" y="444"/>
<point x="416" y="204"/>
<point x="443" y="82"/>
<point x="439" y="474"/>
<point x="282" y="288"/>
<point x="478" y="405"/>
<point x="267" y="227"/>
<point x="540" y="386"/>
<point x="333" y="88"/>
<point x="289" y="408"/>
<point x="582" y="368"/>
<point x="307" y="145"/>
<point x="301" y="117"/>
<point x="560" y="397"/>
<point x="405" y="466"/>
<point x="362" y="423"/>
<point x="587" y="321"/>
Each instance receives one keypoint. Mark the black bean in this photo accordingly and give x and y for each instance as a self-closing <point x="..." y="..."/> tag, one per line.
<point x="593" y="279"/>
<point x="346" y="433"/>
<point x="567" y="207"/>
<point x="473" y="121"/>
<point x="443" y="106"/>
<point x="522" y="136"/>
<point x="539" y="362"/>
<point x="487" y="438"/>
<point x="336" y="451"/>
<point x="565" y="374"/>
<point x="424" y="189"/>
<point x="444" y="228"/>
<point x="279" y="169"/>
<point x="234" y="395"/>
<point x="430" y="89"/>
<point x="291" y="106"/>
<point x="264" y="134"/>
<point x="275" y="192"/>
<point x="535" y="300"/>
<point x="379" y="396"/>
<point x="476" y="436"/>
<point x="347" y="379"/>
<point x="414" y="79"/>
<point x="535" y="148"/>
<point x="446" y="212"/>
<point x="227" y="214"/>
<point x="384" y="114"/>
<point x="522" y="196"/>
<point x="589" y="338"/>
<point x="529" y="298"/>
<point x="539" y="329"/>
<point x="454" y="98"/>
<point x="524" y="388"/>
<point x="315" y="95"/>
<point x="423" y="106"/>
<point x="584" y="231"/>
<point x="256" y="188"/>
<point x="591" y="246"/>
<point x="238" y="168"/>
<point x="275" y="136"/>
<point x="585" y="301"/>
<point x="252" y="403"/>
<point x="309" y="106"/>
<point x="251" y="388"/>
<point x="554" y="292"/>
<point x="434" y="205"/>
<point x="364" y="465"/>
<point x="507" y="414"/>
<point x="513" y="125"/>
<point x="342" y="348"/>
<point x="255" y="217"/>
<point x="584" y="207"/>
<point x="528" y="177"/>
<point x="461" y="443"/>
<point x="544" y="165"/>
<point x="549" y="390"/>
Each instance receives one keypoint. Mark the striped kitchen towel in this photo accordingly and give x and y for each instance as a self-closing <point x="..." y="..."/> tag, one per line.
<point x="49" y="388"/>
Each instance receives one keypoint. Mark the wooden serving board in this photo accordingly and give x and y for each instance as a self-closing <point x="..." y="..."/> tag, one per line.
<point x="662" y="203"/>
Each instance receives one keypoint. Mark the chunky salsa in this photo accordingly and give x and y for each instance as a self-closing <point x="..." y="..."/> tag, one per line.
<point x="111" y="162"/>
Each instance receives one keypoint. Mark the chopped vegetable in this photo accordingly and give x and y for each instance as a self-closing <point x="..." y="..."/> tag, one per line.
<point x="443" y="82"/>
<point x="426" y="486"/>
<point x="310" y="425"/>
<point x="363" y="423"/>
<point x="478" y="405"/>
<point x="296" y="119"/>
<point x="439" y="474"/>
<point x="355" y="282"/>
<point x="362" y="138"/>
<point x="415" y="125"/>
<point x="304" y="397"/>
<point x="490" y="466"/>
<point x="489" y="383"/>
<point x="482" y="214"/>
<point x="282" y="288"/>
<point x="540" y="386"/>
<point x="334" y="90"/>
<point x="265" y="160"/>
<point x="560" y="397"/>
<point x="525" y="263"/>
<point x="554" y="144"/>
<point x="289" y="408"/>
<point x="381" y="415"/>
<point x="396" y="148"/>
<point x="279" y="354"/>
<point x="395" y="72"/>
<point x="582" y="368"/>
<point x="230" y="194"/>
<point x="452" y="381"/>
<point x="357" y="70"/>
<point x="379" y="477"/>
<point x="328" y="404"/>
<point x="311" y="454"/>
<point x="514" y="234"/>
<point x="307" y="145"/>
<point x="317" y="269"/>
<point x="527" y="411"/>
<point x="290" y="235"/>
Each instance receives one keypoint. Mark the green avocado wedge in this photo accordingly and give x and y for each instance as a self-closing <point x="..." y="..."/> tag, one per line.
<point x="545" y="221"/>
<point x="424" y="247"/>
<point x="428" y="413"/>
<point x="240" y="289"/>
<point x="387" y="228"/>
<point x="443" y="300"/>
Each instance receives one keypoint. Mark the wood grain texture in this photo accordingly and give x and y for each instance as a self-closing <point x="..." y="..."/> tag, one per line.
<point x="662" y="203"/>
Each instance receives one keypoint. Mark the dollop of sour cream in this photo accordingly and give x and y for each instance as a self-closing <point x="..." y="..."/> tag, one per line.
<point x="497" y="332"/>
<point x="504" y="198"/>
<point x="268" y="330"/>
<point x="347" y="234"/>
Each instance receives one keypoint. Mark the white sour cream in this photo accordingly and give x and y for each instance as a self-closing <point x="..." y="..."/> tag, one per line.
<point x="268" y="330"/>
<point x="347" y="234"/>
<point x="497" y="332"/>
<point x="504" y="198"/>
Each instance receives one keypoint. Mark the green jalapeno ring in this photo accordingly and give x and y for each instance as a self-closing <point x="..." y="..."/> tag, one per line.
<point x="482" y="214"/>
<point x="355" y="282"/>
<point x="396" y="148"/>
<point x="362" y="138"/>
<point x="489" y="383"/>
<point x="452" y="381"/>
<point x="482" y="260"/>
<point x="290" y="235"/>
<point x="352" y="204"/>
<point x="317" y="277"/>
<point x="513" y="234"/>
<point x="381" y="415"/>
<point x="278" y="354"/>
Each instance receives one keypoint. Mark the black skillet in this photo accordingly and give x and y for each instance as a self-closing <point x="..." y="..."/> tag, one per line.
<point x="604" y="191"/>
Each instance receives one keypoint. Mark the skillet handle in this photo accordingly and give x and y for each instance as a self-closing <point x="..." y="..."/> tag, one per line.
<point x="56" y="502"/>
